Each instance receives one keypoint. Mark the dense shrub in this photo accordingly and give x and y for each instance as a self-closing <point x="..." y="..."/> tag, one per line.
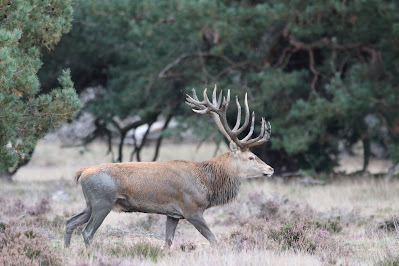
<point x="300" y="235"/>
<point x="280" y="224"/>
<point x="23" y="245"/>
<point x="28" y="28"/>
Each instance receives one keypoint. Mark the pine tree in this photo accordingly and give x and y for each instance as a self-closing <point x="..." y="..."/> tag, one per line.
<point x="26" y="113"/>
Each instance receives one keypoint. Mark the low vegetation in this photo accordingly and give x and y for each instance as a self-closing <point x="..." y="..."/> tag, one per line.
<point x="348" y="221"/>
<point x="32" y="227"/>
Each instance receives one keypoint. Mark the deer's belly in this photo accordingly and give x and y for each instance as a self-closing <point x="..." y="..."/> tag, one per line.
<point x="124" y="205"/>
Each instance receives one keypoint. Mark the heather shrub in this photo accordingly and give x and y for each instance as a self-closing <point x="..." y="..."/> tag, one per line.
<point x="17" y="207"/>
<point x="280" y="224"/>
<point x="187" y="246"/>
<point x="40" y="208"/>
<point x="332" y="224"/>
<point x="300" y="235"/>
<point x="281" y="209"/>
<point x="391" y="224"/>
<point x="21" y="245"/>
<point x="268" y="208"/>
<point x="242" y="239"/>
<point x="58" y="221"/>
<point x="55" y="224"/>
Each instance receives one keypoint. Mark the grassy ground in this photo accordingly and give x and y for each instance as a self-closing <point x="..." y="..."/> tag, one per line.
<point x="348" y="221"/>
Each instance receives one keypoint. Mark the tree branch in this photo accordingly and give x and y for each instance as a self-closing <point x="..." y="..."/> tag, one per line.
<point x="162" y="73"/>
<point x="295" y="46"/>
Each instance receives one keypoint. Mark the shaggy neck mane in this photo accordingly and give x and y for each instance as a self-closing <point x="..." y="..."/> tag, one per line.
<point x="220" y="180"/>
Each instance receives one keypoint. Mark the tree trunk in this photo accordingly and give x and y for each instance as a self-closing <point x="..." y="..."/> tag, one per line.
<point x="159" y="141"/>
<point x="138" y="150"/>
<point x="366" y="153"/>
<point x="120" y="149"/>
<point x="6" y="176"/>
<point x="391" y="171"/>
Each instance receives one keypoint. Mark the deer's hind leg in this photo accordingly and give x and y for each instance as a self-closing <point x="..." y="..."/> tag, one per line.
<point x="100" y="193"/>
<point x="100" y="211"/>
<point x="75" y="221"/>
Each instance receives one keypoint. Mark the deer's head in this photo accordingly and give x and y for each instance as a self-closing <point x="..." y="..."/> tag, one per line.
<point x="247" y="164"/>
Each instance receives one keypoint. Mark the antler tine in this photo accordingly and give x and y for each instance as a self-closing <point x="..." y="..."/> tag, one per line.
<point x="251" y="130"/>
<point x="225" y="104"/>
<point x="191" y="104"/>
<point x="207" y="102"/>
<point x="190" y="101"/>
<point x="219" y="99"/>
<point x="216" y="103"/>
<point x="268" y="131"/>
<point x="204" y="111"/>
<point x="195" y="95"/>
<point x="263" y="136"/>
<point x="226" y="100"/>
<point x="238" y="115"/>
<point x="244" y="126"/>
<point x="194" y="102"/>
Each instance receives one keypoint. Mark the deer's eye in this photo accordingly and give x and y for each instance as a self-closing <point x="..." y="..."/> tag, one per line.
<point x="251" y="158"/>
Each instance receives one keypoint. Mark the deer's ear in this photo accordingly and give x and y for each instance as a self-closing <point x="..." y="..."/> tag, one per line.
<point x="233" y="146"/>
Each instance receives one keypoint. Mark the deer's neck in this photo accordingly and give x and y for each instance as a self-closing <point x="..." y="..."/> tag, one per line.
<point x="221" y="180"/>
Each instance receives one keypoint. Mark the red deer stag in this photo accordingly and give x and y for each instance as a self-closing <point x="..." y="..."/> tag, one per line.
<point x="178" y="189"/>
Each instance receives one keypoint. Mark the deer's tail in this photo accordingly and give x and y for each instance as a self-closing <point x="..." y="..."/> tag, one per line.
<point x="79" y="173"/>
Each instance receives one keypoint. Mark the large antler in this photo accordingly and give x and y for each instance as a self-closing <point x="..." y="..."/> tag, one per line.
<point x="219" y="115"/>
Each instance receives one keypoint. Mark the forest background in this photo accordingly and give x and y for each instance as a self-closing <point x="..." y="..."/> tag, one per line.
<point x="324" y="73"/>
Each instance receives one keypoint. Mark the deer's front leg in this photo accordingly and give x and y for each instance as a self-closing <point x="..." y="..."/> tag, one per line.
<point x="171" y="224"/>
<point x="199" y="223"/>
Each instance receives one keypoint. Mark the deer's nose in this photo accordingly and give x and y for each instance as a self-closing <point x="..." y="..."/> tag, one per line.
<point x="271" y="169"/>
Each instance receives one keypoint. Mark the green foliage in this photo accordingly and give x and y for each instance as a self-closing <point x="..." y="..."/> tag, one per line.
<point x="322" y="72"/>
<point x="26" y="114"/>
